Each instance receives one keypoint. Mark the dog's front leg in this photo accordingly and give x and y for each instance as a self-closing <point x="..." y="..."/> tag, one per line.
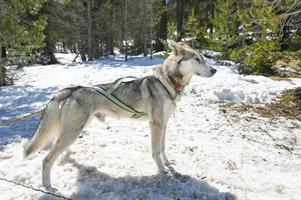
<point x="156" y="133"/>
<point x="162" y="147"/>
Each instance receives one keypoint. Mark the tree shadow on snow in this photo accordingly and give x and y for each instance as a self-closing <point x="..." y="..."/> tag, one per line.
<point x="93" y="184"/>
<point x="16" y="101"/>
<point x="120" y="63"/>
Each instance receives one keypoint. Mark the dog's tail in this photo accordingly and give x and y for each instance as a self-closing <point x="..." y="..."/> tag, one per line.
<point x="49" y="123"/>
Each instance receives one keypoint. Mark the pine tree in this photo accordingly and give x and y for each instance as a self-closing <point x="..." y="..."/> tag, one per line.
<point x="289" y="13"/>
<point x="21" y="26"/>
<point x="225" y="25"/>
<point x="194" y="32"/>
<point x="53" y="29"/>
<point x="259" y="29"/>
<point x="161" y="33"/>
<point x="180" y="8"/>
<point x="172" y="30"/>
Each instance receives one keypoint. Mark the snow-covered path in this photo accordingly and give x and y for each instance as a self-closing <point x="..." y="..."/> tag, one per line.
<point x="218" y="154"/>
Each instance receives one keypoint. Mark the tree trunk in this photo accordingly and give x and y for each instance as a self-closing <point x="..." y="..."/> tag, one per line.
<point x="82" y="51"/>
<point x="151" y="30"/>
<point x="101" y="50"/>
<point x="3" y="56"/>
<point x="73" y="50"/>
<point x="90" y="39"/>
<point x="1" y="74"/>
<point x="162" y="29"/>
<point x="96" y="51"/>
<point x="110" y="45"/>
<point x="144" y="29"/>
<point x="83" y="56"/>
<point x="211" y="26"/>
<point x="49" y="48"/>
<point x="126" y="28"/>
<point x="3" y="52"/>
<point x="180" y="18"/>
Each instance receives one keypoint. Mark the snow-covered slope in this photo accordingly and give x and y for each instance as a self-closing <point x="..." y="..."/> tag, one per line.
<point x="217" y="154"/>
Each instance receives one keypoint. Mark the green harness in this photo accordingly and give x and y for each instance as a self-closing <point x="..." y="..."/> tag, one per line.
<point x="115" y="100"/>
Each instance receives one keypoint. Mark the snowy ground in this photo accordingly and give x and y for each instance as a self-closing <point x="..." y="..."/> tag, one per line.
<point x="217" y="154"/>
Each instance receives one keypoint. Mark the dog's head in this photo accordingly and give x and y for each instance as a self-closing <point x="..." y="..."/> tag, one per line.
<point x="187" y="61"/>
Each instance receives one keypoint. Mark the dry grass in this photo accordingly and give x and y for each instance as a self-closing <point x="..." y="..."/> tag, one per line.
<point x="288" y="106"/>
<point x="293" y="64"/>
<point x="279" y="78"/>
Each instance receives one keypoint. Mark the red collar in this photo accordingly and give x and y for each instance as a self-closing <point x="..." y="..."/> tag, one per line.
<point x="177" y="85"/>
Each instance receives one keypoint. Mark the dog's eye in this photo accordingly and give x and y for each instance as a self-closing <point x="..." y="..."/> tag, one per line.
<point x="197" y="59"/>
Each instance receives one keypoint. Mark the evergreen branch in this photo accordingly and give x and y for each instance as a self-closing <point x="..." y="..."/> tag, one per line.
<point x="297" y="29"/>
<point x="293" y="6"/>
<point x="3" y="38"/>
<point x="293" y="13"/>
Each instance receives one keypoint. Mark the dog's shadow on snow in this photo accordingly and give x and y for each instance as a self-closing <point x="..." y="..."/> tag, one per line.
<point x="93" y="184"/>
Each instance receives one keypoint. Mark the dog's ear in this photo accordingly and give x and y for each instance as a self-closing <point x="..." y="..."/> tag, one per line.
<point x="179" y="49"/>
<point x="171" y="43"/>
<point x="175" y="47"/>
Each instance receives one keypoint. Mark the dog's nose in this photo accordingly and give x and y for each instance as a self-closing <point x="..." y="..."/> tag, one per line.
<point x="213" y="71"/>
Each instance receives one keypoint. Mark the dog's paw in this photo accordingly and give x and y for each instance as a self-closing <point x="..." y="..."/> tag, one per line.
<point x="164" y="170"/>
<point x="51" y="189"/>
<point x="166" y="161"/>
<point x="48" y="188"/>
<point x="169" y="162"/>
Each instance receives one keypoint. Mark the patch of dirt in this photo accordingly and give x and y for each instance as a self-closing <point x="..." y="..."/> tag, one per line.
<point x="251" y="81"/>
<point x="279" y="78"/>
<point x="288" y="67"/>
<point x="289" y="106"/>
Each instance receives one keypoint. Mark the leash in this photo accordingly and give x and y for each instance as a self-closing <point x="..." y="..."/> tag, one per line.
<point x="35" y="189"/>
<point x="115" y="100"/>
<point x="12" y="121"/>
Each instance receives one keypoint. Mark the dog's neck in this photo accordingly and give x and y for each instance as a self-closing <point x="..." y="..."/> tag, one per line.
<point x="174" y="87"/>
<point x="176" y="84"/>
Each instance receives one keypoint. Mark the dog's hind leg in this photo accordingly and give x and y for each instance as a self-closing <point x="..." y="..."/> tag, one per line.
<point x="59" y="147"/>
<point x="72" y="123"/>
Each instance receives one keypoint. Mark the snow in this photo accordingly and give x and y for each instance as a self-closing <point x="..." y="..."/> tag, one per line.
<point x="217" y="154"/>
<point x="211" y="54"/>
<point x="66" y="58"/>
<point x="228" y="95"/>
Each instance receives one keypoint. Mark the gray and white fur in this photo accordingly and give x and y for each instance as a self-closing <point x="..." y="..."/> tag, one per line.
<point x="71" y="109"/>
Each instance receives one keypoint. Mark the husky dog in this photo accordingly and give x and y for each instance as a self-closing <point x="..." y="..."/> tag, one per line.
<point x="71" y="109"/>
